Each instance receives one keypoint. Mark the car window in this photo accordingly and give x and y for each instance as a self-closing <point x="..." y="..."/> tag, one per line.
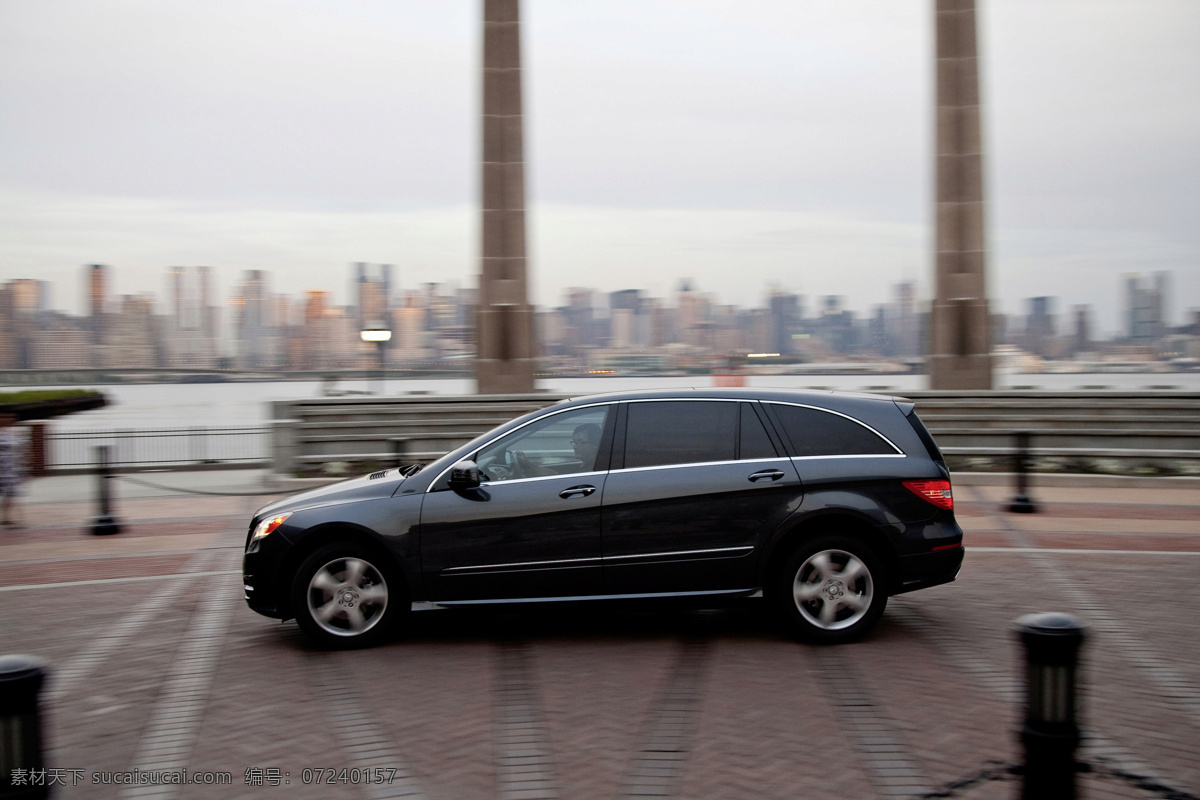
<point x="819" y="433"/>
<point x="560" y="444"/>
<point x="680" y="432"/>
<point x="755" y="443"/>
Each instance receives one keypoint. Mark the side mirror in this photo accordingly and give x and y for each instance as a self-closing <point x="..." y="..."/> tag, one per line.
<point x="464" y="475"/>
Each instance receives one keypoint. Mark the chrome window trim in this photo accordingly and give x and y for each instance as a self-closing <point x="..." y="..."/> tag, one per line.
<point x="859" y="455"/>
<point x="845" y="416"/>
<point x="479" y="567"/>
<point x="691" y="400"/>
<point x="703" y="464"/>
<point x="490" y="442"/>
<point x="543" y="478"/>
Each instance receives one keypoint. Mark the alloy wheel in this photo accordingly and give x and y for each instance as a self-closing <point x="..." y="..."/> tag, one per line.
<point x="347" y="596"/>
<point x="833" y="589"/>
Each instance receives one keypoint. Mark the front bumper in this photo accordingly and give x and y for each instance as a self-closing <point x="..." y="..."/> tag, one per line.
<point x="265" y="591"/>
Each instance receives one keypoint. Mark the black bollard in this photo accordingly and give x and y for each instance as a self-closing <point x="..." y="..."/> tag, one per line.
<point x="104" y="523"/>
<point x="1050" y="733"/>
<point x="1021" y="503"/>
<point x="22" y="766"/>
<point x="399" y="449"/>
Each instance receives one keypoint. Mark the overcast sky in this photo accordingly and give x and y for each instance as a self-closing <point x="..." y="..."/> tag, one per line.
<point x="743" y="144"/>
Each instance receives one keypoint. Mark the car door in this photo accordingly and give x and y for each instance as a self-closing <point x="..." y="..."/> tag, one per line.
<point x="532" y="529"/>
<point x="696" y="486"/>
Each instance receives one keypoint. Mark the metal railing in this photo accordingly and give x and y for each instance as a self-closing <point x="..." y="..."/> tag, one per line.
<point x="160" y="447"/>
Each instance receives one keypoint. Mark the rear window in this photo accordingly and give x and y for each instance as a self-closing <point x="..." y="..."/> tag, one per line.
<point x="925" y="437"/>
<point x="813" y="432"/>
<point x="680" y="432"/>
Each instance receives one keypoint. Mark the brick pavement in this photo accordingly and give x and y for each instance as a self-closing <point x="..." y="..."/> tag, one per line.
<point x="609" y="703"/>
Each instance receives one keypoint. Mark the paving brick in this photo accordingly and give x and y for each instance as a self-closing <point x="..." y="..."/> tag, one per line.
<point x="597" y="704"/>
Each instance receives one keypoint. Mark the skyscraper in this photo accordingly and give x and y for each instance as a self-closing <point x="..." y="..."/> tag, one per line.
<point x="1144" y="310"/>
<point x="252" y="324"/>
<point x="1039" y="325"/>
<point x="97" y="299"/>
<point x="193" y="327"/>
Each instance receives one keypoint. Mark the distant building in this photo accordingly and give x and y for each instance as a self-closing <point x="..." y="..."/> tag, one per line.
<point x="784" y="310"/>
<point x="63" y="348"/>
<point x="258" y="344"/>
<point x="409" y="331"/>
<point x="1081" y="339"/>
<point x="132" y="340"/>
<point x="904" y="334"/>
<point x="192" y="319"/>
<point x="693" y="316"/>
<point x="24" y="304"/>
<point x="372" y="294"/>
<point x="582" y="328"/>
<point x="1144" y="311"/>
<point x="628" y="325"/>
<point x="317" y="331"/>
<point x="1039" y="325"/>
<point x="97" y="300"/>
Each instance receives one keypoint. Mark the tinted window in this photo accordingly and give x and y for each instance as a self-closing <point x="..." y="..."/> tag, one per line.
<point x="819" y="433"/>
<point x="755" y="442"/>
<point x="923" y="434"/>
<point x="560" y="444"/>
<point x="680" y="432"/>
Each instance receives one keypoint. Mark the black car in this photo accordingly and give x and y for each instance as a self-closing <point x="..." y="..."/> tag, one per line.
<point x="824" y="502"/>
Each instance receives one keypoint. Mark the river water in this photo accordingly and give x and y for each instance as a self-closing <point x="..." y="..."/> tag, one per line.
<point x="180" y="405"/>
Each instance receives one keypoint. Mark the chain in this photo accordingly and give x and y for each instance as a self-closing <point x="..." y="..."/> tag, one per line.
<point x="210" y="494"/>
<point x="1102" y="768"/>
<point x="993" y="771"/>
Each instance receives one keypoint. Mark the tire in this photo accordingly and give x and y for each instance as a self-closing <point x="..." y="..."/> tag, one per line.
<point x="346" y="595"/>
<point x="831" y="589"/>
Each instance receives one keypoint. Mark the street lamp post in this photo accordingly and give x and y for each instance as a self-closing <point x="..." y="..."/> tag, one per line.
<point x="380" y="336"/>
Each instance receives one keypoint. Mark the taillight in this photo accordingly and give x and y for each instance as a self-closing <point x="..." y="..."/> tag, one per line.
<point x="936" y="492"/>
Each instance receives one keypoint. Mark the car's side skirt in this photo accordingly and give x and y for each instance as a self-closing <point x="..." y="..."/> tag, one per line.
<point x="428" y="606"/>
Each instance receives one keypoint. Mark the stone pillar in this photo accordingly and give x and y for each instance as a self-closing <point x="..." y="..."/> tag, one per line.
<point x="960" y="356"/>
<point x="504" y="323"/>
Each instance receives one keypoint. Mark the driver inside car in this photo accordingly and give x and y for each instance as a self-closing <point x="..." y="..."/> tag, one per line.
<point x="585" y="442"/>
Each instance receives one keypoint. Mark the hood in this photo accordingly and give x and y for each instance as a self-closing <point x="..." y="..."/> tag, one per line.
<point x="361" y="488"/>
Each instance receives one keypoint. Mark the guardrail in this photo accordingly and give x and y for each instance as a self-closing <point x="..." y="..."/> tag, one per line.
<point x="1127" y="433"/>
<point x="160" y="447"/>
<point x="1133" y="433"/>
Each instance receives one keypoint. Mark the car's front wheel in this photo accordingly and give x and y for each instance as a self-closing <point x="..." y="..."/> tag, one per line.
<point x="831" y="589"/>
<point x="345" y="595"/>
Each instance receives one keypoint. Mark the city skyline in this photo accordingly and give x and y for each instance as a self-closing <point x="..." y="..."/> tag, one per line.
<point x="1173" y="311"/>
<point x="97" y="284"/>
<point x="665" y="140"/>
<point x="258" y="324"/>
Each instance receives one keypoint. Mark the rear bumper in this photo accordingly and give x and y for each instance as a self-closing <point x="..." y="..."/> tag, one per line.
<point x="928" y="569"/>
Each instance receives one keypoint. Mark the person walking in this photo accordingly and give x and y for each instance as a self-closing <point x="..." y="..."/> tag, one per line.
<point x="12" y="468"/>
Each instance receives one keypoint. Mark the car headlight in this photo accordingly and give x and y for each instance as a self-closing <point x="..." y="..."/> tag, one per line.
<point x="267" y="525"/>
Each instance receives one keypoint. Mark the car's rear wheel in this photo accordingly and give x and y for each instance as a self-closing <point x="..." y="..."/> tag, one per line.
<point x="831" y="589"/>
<point x="346" y="595"/>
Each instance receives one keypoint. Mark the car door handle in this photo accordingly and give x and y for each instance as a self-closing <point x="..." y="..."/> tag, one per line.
<point x="576" y="491"/>
<point x="766" y="475"/>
